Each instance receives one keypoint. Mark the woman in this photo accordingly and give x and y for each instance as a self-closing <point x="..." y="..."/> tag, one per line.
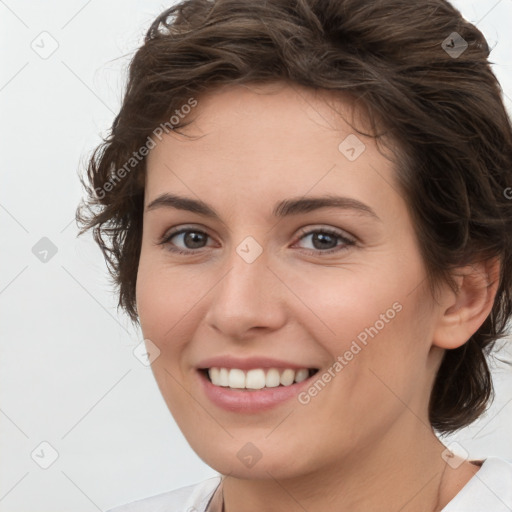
<point x="305" y="208"/>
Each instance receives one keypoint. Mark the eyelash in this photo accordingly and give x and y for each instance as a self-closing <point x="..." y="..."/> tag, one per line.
<point x="165" y="241"/>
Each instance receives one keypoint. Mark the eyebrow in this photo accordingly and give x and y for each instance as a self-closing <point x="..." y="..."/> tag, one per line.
<point x="285" y="208"/>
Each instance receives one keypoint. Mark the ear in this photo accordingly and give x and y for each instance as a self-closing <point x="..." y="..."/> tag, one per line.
<point x="464" y="311"/>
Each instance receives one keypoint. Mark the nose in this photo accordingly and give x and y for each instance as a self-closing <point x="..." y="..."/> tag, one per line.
<point x="248" y="298"/>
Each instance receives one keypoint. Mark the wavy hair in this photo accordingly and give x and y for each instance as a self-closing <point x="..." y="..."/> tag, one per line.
<point x="400" y="59"/>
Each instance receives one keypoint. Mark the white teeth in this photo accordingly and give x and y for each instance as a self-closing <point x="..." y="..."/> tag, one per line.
<point x="256" y="378"/>
<point x="223" y="377"/>
<point x="272" y="379"/>
<point x="236" y="378"/>
<point x="287" y="377"/>
<point x="215" y="374"/>
<point x="301" y="375"/>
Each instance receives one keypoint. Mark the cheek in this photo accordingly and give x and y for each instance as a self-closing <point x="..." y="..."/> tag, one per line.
<point x="163" y="296"/>
<point x="373" y="321"/>
<point x="353" y="302"/>
<point x="164" y="304"/>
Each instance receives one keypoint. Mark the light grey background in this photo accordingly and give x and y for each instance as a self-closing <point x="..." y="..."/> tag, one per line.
<point x="68" y="374"/>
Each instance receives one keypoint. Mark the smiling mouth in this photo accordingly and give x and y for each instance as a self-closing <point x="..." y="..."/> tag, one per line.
<point x="257" y="378"/>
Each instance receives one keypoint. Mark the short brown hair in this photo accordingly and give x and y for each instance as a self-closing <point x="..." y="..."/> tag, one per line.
<point x="401" y="60"/>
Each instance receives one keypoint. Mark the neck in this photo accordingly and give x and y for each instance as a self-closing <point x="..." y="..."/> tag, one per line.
<point x="404" y="472"/>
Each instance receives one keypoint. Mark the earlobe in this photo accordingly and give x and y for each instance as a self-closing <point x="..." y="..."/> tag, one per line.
<point x="464" y="311"/>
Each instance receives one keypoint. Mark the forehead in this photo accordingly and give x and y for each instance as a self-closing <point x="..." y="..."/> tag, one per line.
<point x="275" y="107"/>
<point x="275" y="139"/>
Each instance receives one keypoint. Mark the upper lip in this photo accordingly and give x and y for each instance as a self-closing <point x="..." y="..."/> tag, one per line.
<point x="248" y="363"/>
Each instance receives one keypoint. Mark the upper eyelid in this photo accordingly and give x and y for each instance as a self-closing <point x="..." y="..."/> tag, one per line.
<point x="304" y="230"/>
<point x="337" y="231"/>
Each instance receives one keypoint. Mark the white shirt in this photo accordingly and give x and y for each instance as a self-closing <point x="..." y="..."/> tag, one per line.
<point x="489" y="490"/>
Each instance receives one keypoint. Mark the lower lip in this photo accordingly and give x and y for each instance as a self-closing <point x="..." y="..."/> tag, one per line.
<point x="251" y="400"/>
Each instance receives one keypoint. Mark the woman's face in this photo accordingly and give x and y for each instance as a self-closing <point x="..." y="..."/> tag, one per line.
<point x="275" y="280"/>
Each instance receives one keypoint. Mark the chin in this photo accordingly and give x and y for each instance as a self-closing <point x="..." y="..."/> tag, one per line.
<point x="245" y="461"/>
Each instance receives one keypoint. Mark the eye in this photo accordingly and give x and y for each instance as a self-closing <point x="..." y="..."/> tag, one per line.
<point x="191" y="237"/>
<point x="322" y="240"/>
<point x="325" y="241"/>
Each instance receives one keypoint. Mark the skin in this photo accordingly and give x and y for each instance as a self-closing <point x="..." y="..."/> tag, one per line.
<point x="364" y="442"/>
